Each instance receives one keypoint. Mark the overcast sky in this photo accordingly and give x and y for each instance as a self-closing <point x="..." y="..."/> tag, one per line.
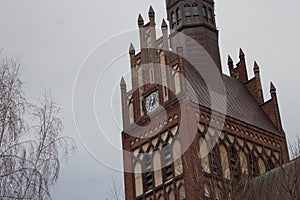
<point x="54" y="38"/>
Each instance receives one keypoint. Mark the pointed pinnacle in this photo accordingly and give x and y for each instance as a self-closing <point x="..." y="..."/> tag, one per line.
<point x="131" y="49"/>
<point x="122" y="83"/>
<point x="140" y="20"/>
<point x="164" y="24"/>
<point x="151" y="11"/>
<point x="272" y="88"/>
<point x="256" y="67"/>
<point x="242" y="54"/>
<point x="230" y="61"/>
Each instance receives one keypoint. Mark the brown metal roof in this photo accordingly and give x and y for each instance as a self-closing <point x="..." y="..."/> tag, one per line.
<point x="238" y="103"/>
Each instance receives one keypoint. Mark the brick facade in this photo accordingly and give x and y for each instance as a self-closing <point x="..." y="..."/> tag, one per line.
<point x="245" y="140"/>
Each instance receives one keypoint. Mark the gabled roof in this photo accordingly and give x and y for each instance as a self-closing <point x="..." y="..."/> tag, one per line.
<point x="239" y="103"/>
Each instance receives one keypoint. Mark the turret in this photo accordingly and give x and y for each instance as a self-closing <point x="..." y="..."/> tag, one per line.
<point x="240" y="72"/>
<point x="164" y="28"/>
<point x="125" y="115"/>
<point x="259" y="91"/>
<point x="271" y="108"/>
<point x="230" y="65"/>
<point x="196" y="20"/>
<point x="151" y="15"/>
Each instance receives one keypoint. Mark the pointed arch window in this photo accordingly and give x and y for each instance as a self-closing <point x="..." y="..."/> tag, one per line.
<point x="187" y="10"/>
<point x="168" y="162"/>
<point x="224" y="162"/>
<point x="204" y="13"/>
<point x="203" y="153"/>
<point x="270" y="164"/>
<point x="157" y="169"/>
<point x="206" y="190"/>
<point x="243" y="163"/>
<point x="253" y="165"/>
<point x="173" y="20"/>
<point x="178" y="169"/>
<point x="234" y="162"/>
<point x="138" y="179"/>
<point x="214" y="160"/>
<point x="262" y="166"/>
<point x="210" y="15"/>
<point x="148" y="172"/>
<point x="195" y="9"/>
<point x="178" y="15"/>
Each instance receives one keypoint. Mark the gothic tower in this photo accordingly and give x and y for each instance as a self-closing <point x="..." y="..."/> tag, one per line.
<point x="195" y="19"/>
<point x="180" y="140"/>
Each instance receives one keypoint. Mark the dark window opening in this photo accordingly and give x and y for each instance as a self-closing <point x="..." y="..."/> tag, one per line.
<point x="166" y="90"/>
<point x="215" y="162"/>
<point x="168" y="162"/>
<point x="195" y="9"/>
<point x="253" y="165"/>
<point x="148" y="172"/>
<point x="187" y="10"/>
<point x="210" y="16"/>
<point x="173" y="20"/>
<point x="178" y="15"/>
<point x="234" y="163"/>
<point x="204" y="12"/>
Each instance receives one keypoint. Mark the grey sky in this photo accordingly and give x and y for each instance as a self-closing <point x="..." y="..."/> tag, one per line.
<point x="52" y="38"/>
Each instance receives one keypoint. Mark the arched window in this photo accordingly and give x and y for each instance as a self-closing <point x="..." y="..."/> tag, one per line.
<point x="131" y="113"/>
<point x="262" y="166"/>
<point x="243" y="163"/>
<point x="182" y="195"/>
<point x="177" y="82"/>
<point x="253" y="165"/>
<point x="138" y="179"/>
<point x="178" y="15"/>
<point x="204" y="12"/>
<point x="187" y="10"/>
<point x="206" y="190"/>
<point x="157" y="169"/>
<point x="151" y="75"/>
<point x="233" y="162"/>
<point x="203" y="152"/>
<point x="210" y="15"/>
<point x="224" y="162"/>
<point x="178" y="169"/>
<point x="173" y="20"/>
<point x="195" y="9"/>
<point x="148" y="172"/>
<point x="270" y="164"/>
<point x="168" y="162"/>
<point x="171" y="195"/>
<point x="214" y="162"/>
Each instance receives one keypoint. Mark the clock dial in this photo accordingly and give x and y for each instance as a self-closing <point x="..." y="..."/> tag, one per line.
<point x="152" y="102"/>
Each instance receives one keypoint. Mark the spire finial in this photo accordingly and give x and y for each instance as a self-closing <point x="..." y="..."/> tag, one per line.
<point x="164" y="24"/>
<point x="256" y="67"/>
<point x="131" y="49"/>
<point x="151" y="12"/>
<point x="140" y="20"/>
<point x="242" y="54"/>
<point x="272" y="88"/>
<point x="122" y="83"/>
<point x="229" y="60"/>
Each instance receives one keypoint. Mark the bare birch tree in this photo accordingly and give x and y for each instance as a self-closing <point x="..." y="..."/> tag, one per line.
<point x="31" y="145"/>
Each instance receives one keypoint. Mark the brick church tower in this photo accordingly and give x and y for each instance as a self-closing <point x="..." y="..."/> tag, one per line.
<point x="190" y="131"/>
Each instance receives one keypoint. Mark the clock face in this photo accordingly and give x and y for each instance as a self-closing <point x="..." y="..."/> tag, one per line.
<point x="152" y="102"/>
